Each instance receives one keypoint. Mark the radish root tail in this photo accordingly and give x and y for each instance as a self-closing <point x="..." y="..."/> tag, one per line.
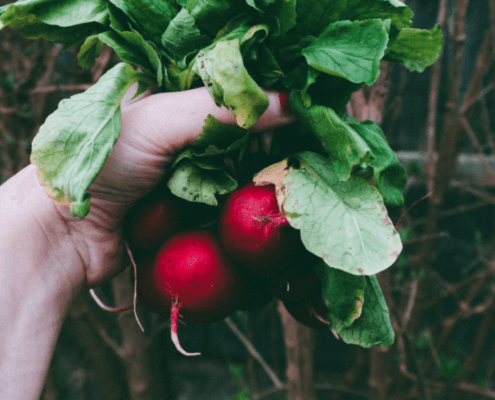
<point x="174" y="318"/>
<point x="105" y="307"/>
<point x="135" y="284"/>
<point x="318" y="316"/>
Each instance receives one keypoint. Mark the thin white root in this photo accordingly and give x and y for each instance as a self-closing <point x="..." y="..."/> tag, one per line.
<point x="135" y="284"/>
<point x="105" y="307"/>
<point x="175" y="340"/>
<point x="174" y="319"/>
<point x="98" y="301"/>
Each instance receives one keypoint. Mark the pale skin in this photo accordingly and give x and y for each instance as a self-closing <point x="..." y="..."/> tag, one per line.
<point x="48" y="257"/>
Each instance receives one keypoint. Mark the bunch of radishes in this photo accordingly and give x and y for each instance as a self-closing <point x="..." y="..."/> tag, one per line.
<point x="202" y="263"/>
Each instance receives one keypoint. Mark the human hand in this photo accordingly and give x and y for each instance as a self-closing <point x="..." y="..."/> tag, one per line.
<point x="154" y="128"/>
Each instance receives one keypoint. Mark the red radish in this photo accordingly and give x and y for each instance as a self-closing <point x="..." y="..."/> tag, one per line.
<point x="153" y="219"/>
<point x="193" y="275"/>
<point x="148" y="294"/>
<point x="311" y="312"/>
<point x="256" y="233"/>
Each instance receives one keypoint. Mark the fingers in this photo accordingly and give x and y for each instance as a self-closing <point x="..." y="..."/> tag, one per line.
<point x="174" y="120"/>
<point x="278" y="113"/>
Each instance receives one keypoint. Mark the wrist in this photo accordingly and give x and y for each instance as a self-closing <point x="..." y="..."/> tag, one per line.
<point x="35" y="237"/>
<point x="41" y="273"/>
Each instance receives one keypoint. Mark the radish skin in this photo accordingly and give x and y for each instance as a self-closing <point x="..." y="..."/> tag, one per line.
<point x="257" y="234"/>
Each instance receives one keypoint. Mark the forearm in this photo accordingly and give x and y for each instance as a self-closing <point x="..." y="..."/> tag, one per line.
<point x="36" y="292"/>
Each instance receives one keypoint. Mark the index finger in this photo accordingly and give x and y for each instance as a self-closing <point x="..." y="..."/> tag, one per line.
<point x="176" y="119"/>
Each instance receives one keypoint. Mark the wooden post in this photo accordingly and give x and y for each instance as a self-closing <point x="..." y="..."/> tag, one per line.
<point x="300" y="346"/>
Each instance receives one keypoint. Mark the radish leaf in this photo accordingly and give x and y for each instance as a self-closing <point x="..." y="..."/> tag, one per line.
<point x="182" y="38"/>
<point x="351" y="50"/>
<point x="223" y="72"/>
<point x="390" y="176"/>
<point x="416" y="48"/>
<point x="192" y="183"/>
<point x="150" y="18"/>
<point x="64" y="21"/>
<point x="313" y="17"/>
<point x="373" y="327"/>
<point x="89" y="52"/>
<point x="61" y="13"/>
<point x="212" y="16"/>
<point x="75" y="141"/>
<point x="129" y="46"/>
<point x="343" y="144"/>
<point x="218" y="138"/>
<point x="345" y="223"/>
<point x="343" y="294"/>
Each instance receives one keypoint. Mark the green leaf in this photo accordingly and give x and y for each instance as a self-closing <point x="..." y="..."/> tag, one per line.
<point x="182" y="37"/>
<point x="132" y="48"/>
<point x="255" y="34"/>
<point x="399" y="13"/>
<point x="343" y="294"/>
<point x="204" y="162"/>
<point x="63" y="13"/>
<point x="129" y="46"/>
<point x="315" y="16"/>
<point x="118" y="20"/>
<point x="342" y="143"/>
<point x="192" y="183"/>
<point x="64" y="21"/>
<point x="75" y="141"/>
<point x="265" y="66"/>
<point x="283" y="10"/>
<point x="142" y="87"/>
<point x="89" y="52"/>
<point x="312" y="75"/>
<point x="150" y="17"/>
<point x="351" y="50"/>
<point x="416" y="48"/>
<point x="287" y="15"/>
<point x="212" y="16"/>
<point x="344" y="223"/>
<point x="223" y="72"/>
<point x="373" y="327"/>
<point x="215" y="142"/>
<point x="390" y="176"/>
<point x="236" y="28"/>
<point x="187" y="77"/>
<point x="253" y="4"/>
<point x="218" y="138"/>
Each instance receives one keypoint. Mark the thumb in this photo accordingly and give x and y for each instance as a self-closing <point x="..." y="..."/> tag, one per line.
<point x="175" y="119"/>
